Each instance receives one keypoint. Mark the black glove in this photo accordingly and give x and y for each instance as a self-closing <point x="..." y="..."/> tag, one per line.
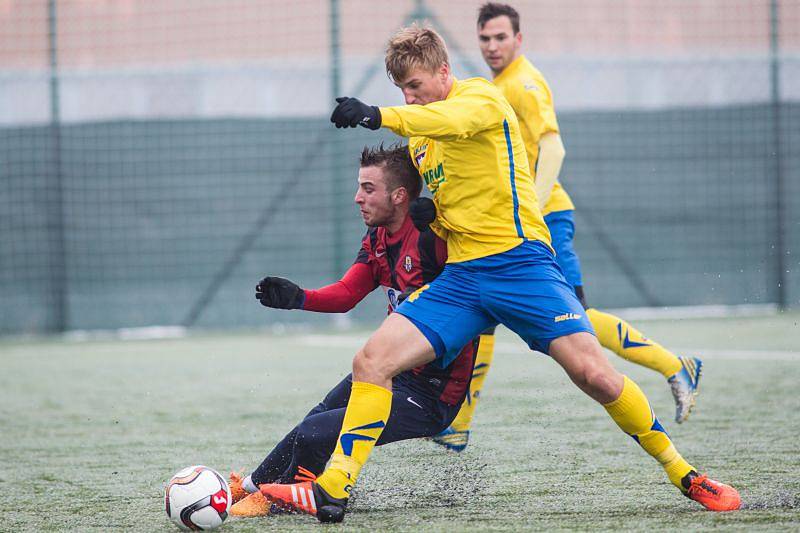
<point x="352" y="112"/>
<point x="405" y="294"/>
<point x="279" y="293"/>
<point x="423" y="212"/>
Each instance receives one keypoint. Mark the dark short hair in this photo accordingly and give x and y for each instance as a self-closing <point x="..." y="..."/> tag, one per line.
<point x="491" y="10"/>
<point x="396" y="162"/>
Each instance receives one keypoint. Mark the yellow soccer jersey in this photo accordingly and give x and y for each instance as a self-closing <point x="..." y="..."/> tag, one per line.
<point x="470" y="153"/>
<point x="528" y="93"/>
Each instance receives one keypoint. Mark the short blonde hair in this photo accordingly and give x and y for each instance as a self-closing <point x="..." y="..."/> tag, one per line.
<point x="414" y="47"/>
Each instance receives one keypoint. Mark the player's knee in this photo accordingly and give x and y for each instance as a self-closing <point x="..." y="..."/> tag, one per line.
<point x="370" y="364"/>
<point x="589" y="368"/>
<point x="361" y="365"/>
<point x="602" y="382"/>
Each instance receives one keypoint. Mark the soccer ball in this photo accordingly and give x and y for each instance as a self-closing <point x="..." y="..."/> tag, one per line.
<point x="197" y="497"/>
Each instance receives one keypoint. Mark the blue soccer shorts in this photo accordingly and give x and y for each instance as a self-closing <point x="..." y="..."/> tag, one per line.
<point x="522" y="288"/>
<point x="562" y="232"/>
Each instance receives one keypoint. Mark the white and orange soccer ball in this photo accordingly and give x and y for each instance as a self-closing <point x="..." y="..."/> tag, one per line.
<point x="197" y="498"/>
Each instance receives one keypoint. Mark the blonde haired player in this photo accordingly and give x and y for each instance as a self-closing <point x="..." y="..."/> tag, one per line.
<point x="528" y="93"/>
<point x="465" y="140"/>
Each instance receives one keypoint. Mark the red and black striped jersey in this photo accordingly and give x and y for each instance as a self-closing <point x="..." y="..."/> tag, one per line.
<point x="407" y="260"/>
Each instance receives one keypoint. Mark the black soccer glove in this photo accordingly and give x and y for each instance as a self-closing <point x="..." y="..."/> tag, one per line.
<point x="405" y="294"/>
<point x="423" y="212"/>
<point x="352" y="112"/>
<point x="279" y="293"/>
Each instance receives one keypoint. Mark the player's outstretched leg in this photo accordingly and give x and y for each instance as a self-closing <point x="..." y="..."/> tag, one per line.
<point x="364" y="420"/>
<point x="396" y="346"/>
<point x="246" y="499"/>
<point x="682" y="373"/>
<point x="581" y="357"/>
<point x="326" y="497"/>
<point x="255" y="504"/>
<point x="456" y="437"/>
<point x="299" y="456"/>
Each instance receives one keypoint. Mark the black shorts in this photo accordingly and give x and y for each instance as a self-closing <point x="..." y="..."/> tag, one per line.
<point x="415" y="413"/>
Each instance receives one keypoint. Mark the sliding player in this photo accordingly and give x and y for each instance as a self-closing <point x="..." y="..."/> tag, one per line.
<point x="399" y="258"/>
<point x="466" y="141"/>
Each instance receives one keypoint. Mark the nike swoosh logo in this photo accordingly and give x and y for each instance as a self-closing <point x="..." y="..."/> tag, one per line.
<point x="381" y="254"/>
<point x="410" y="400"/>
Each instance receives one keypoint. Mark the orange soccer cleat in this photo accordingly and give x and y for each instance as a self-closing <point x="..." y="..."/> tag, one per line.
<point x="297" y="497"/>
<point x="305" y="497"/>
<point x="251" y="506"/>
<point x="304" y="474"/>
<point x="235" y="486"/>
<point x="712" y="495"/>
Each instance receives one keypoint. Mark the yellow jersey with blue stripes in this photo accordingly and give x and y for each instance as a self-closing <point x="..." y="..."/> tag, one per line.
<point x="528" y="93"/>
<point x="470" y="153"/>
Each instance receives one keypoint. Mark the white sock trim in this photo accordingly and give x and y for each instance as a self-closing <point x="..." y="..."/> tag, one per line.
<point x="248" y="485"/>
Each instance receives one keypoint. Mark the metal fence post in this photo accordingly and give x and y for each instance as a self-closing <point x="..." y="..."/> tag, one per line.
<point x="54" y="196"/>
<point x="779" y="237"/>
<point x="338" y="157"/>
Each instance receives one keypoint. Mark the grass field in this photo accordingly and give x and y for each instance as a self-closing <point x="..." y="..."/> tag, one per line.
<point x="92" y="430"/>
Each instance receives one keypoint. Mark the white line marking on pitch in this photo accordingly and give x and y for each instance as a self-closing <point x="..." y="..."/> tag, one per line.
<point x="712" y="353"/>
<point x="355" y="342"/>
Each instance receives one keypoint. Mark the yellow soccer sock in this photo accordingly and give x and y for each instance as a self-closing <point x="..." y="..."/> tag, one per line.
<point x="627" y="342"/>
<point x="632" y="413"/>
<point x="364" y="420"/>
<point x="483" y="360"/>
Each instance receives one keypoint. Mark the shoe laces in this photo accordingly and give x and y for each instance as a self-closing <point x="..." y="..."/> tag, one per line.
<point x="701" y="482"/>
<point x="304" y="474"/>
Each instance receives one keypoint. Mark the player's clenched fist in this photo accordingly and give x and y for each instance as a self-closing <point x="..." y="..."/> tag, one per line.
<point x="279" y="293"/>
<point x="352" y="112"/>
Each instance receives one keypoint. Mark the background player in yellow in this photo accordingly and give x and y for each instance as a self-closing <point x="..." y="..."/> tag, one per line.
<point x="528" y="93"/>
<point x="465" y="140"/>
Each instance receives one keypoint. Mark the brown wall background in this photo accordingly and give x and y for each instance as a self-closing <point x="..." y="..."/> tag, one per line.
<point x="113" y="33"/>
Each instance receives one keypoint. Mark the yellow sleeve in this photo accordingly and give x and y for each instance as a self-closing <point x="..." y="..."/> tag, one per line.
<point x="411" y="146"/>
<point x="457" y="117"/>
<point x="439" y="230"/>
<point x="536" y="110"/>
<point x="436" y="226"/>
<point x="551" y="155"/>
